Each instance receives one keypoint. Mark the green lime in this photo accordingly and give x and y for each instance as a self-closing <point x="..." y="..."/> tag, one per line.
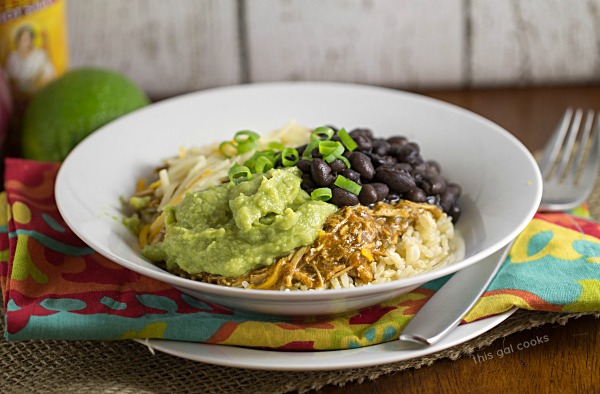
<point x="71" y="107"/>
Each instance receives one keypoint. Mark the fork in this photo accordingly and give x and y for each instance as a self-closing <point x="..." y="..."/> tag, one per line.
<point x="569" y="164"/>
<point x="569" y="167"/>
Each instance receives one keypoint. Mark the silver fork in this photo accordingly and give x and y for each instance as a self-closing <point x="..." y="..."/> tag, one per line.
<point x="569" y="166"/>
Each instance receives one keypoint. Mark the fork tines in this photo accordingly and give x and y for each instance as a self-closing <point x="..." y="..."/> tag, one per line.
<point x="570" y="145"/>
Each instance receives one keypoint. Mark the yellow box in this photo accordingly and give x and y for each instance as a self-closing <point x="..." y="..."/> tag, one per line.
<point x="33" y="43"/>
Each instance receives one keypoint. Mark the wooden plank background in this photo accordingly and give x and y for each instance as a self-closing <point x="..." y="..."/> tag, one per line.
<point x="175" y="47"/>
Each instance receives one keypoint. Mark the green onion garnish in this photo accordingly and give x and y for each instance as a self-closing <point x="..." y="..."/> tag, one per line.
<point x="307" y="154"/>
<point x="278" y="146"/>
<point x="246" y="141"/>
<point x="263" y="164"/>
<point x="289" y="157"/>
<point x="322" y="133"/>
<point x="238" y="174"/>
<point x="243" y="141"/>
<point x="347" y="184"/>
<point x="330" y="150"/>
<point x="348" y="142"/>
<point x="345" y="160"/>
<point x="321" y="194"/>
<point x="228" y="149"/>
<point x="327" y="148"/>
<point x="245" y="136"/>
<point x="269" y="155"/>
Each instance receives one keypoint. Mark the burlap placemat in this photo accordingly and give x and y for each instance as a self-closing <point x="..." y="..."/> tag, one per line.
<point x="129" y="367"/>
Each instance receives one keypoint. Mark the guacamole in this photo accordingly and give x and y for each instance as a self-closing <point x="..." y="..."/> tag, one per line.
<point x="232" y="228"/>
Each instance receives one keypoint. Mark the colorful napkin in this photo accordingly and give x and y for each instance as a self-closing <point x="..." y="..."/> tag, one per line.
<point x="56" y="287"/>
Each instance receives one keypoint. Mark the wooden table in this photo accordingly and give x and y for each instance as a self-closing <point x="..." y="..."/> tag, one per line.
<point x="569" y="360"/>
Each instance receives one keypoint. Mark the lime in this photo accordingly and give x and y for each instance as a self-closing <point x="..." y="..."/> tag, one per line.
<point x="68" y="109"/>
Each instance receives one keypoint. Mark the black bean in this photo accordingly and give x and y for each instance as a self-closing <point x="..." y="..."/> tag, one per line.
<point x="454" y="213"/>
<point x="449" y="196"/>
<point x="416" y="195"/>
<point x="447" y="200"/>
<point x="382" y="190"/>
<point x="381" y="147"/>
<point x="368" y="195"/>
<point x="430" y="171"/>
<point x="301" y="149"/>
<point x="337" y="166"/>
<point x="408" y="154"/>
<point x="438" y="184"/>
<point x="304" y="166"/>
<point x="361" y="131"/>
<point x="351" y="174"/>
<point x="362" y="164"/>
<point x="377" y="160"/>
<point x="434" y="165"/>
<point x="456" y="189"/>
<point x="420" y="168"/>
<point x="364" y="143"/>
<point x="424" y="184"/>
<point x="404" y="166"/>
<point x="307" y="182"/>
<point x="321" y="172"/>
<point x="341" y="197"/>
<point x="394" y="150"/>
<point x="397" y="140"/>
<point x="389" y="161"/>
<point x="399" y="181"/>
<point x="315" y="153"/>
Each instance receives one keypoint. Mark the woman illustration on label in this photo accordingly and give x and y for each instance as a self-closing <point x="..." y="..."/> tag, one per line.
<point x="28" y="67"/>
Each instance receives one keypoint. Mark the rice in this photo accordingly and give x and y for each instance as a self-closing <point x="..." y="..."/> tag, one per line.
<point x="427" y="245"/>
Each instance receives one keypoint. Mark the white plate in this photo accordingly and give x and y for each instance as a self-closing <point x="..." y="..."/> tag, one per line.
<point x="500" y="180"/>
<point x="385" y="353"/>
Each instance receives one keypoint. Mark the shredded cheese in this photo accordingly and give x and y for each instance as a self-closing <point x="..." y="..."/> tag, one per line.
<point x="143" y="236"/>
<point x="140" y="185"/>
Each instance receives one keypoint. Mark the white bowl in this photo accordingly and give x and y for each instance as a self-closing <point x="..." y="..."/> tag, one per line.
<point x="500" y="180"/>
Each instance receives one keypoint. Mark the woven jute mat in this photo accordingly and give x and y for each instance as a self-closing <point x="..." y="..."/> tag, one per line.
<point x="129" y="367"/>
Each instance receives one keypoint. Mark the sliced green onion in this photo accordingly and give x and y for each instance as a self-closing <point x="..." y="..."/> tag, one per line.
<point x="347" y="184"/>
<point x="321" y="194"/>
<point x="246" y="141"/>
<point x="345" y="160"/>
<point x="322" y="133"/>
<point x="329" y="158"/>
<point x="247" y="146"/>
<point x="274" y="145"/>
<point x="228" y="149"/>
<point x="289" y="157"/>
<point x="348" y="142"/>
<point x="269" y="153"/>
<point x="330" y="148"/>
<point x="263" y="164"/>
<point x="238" y="174"/>
<point x="246" y="135"/>
<point x="309" y="148"/>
